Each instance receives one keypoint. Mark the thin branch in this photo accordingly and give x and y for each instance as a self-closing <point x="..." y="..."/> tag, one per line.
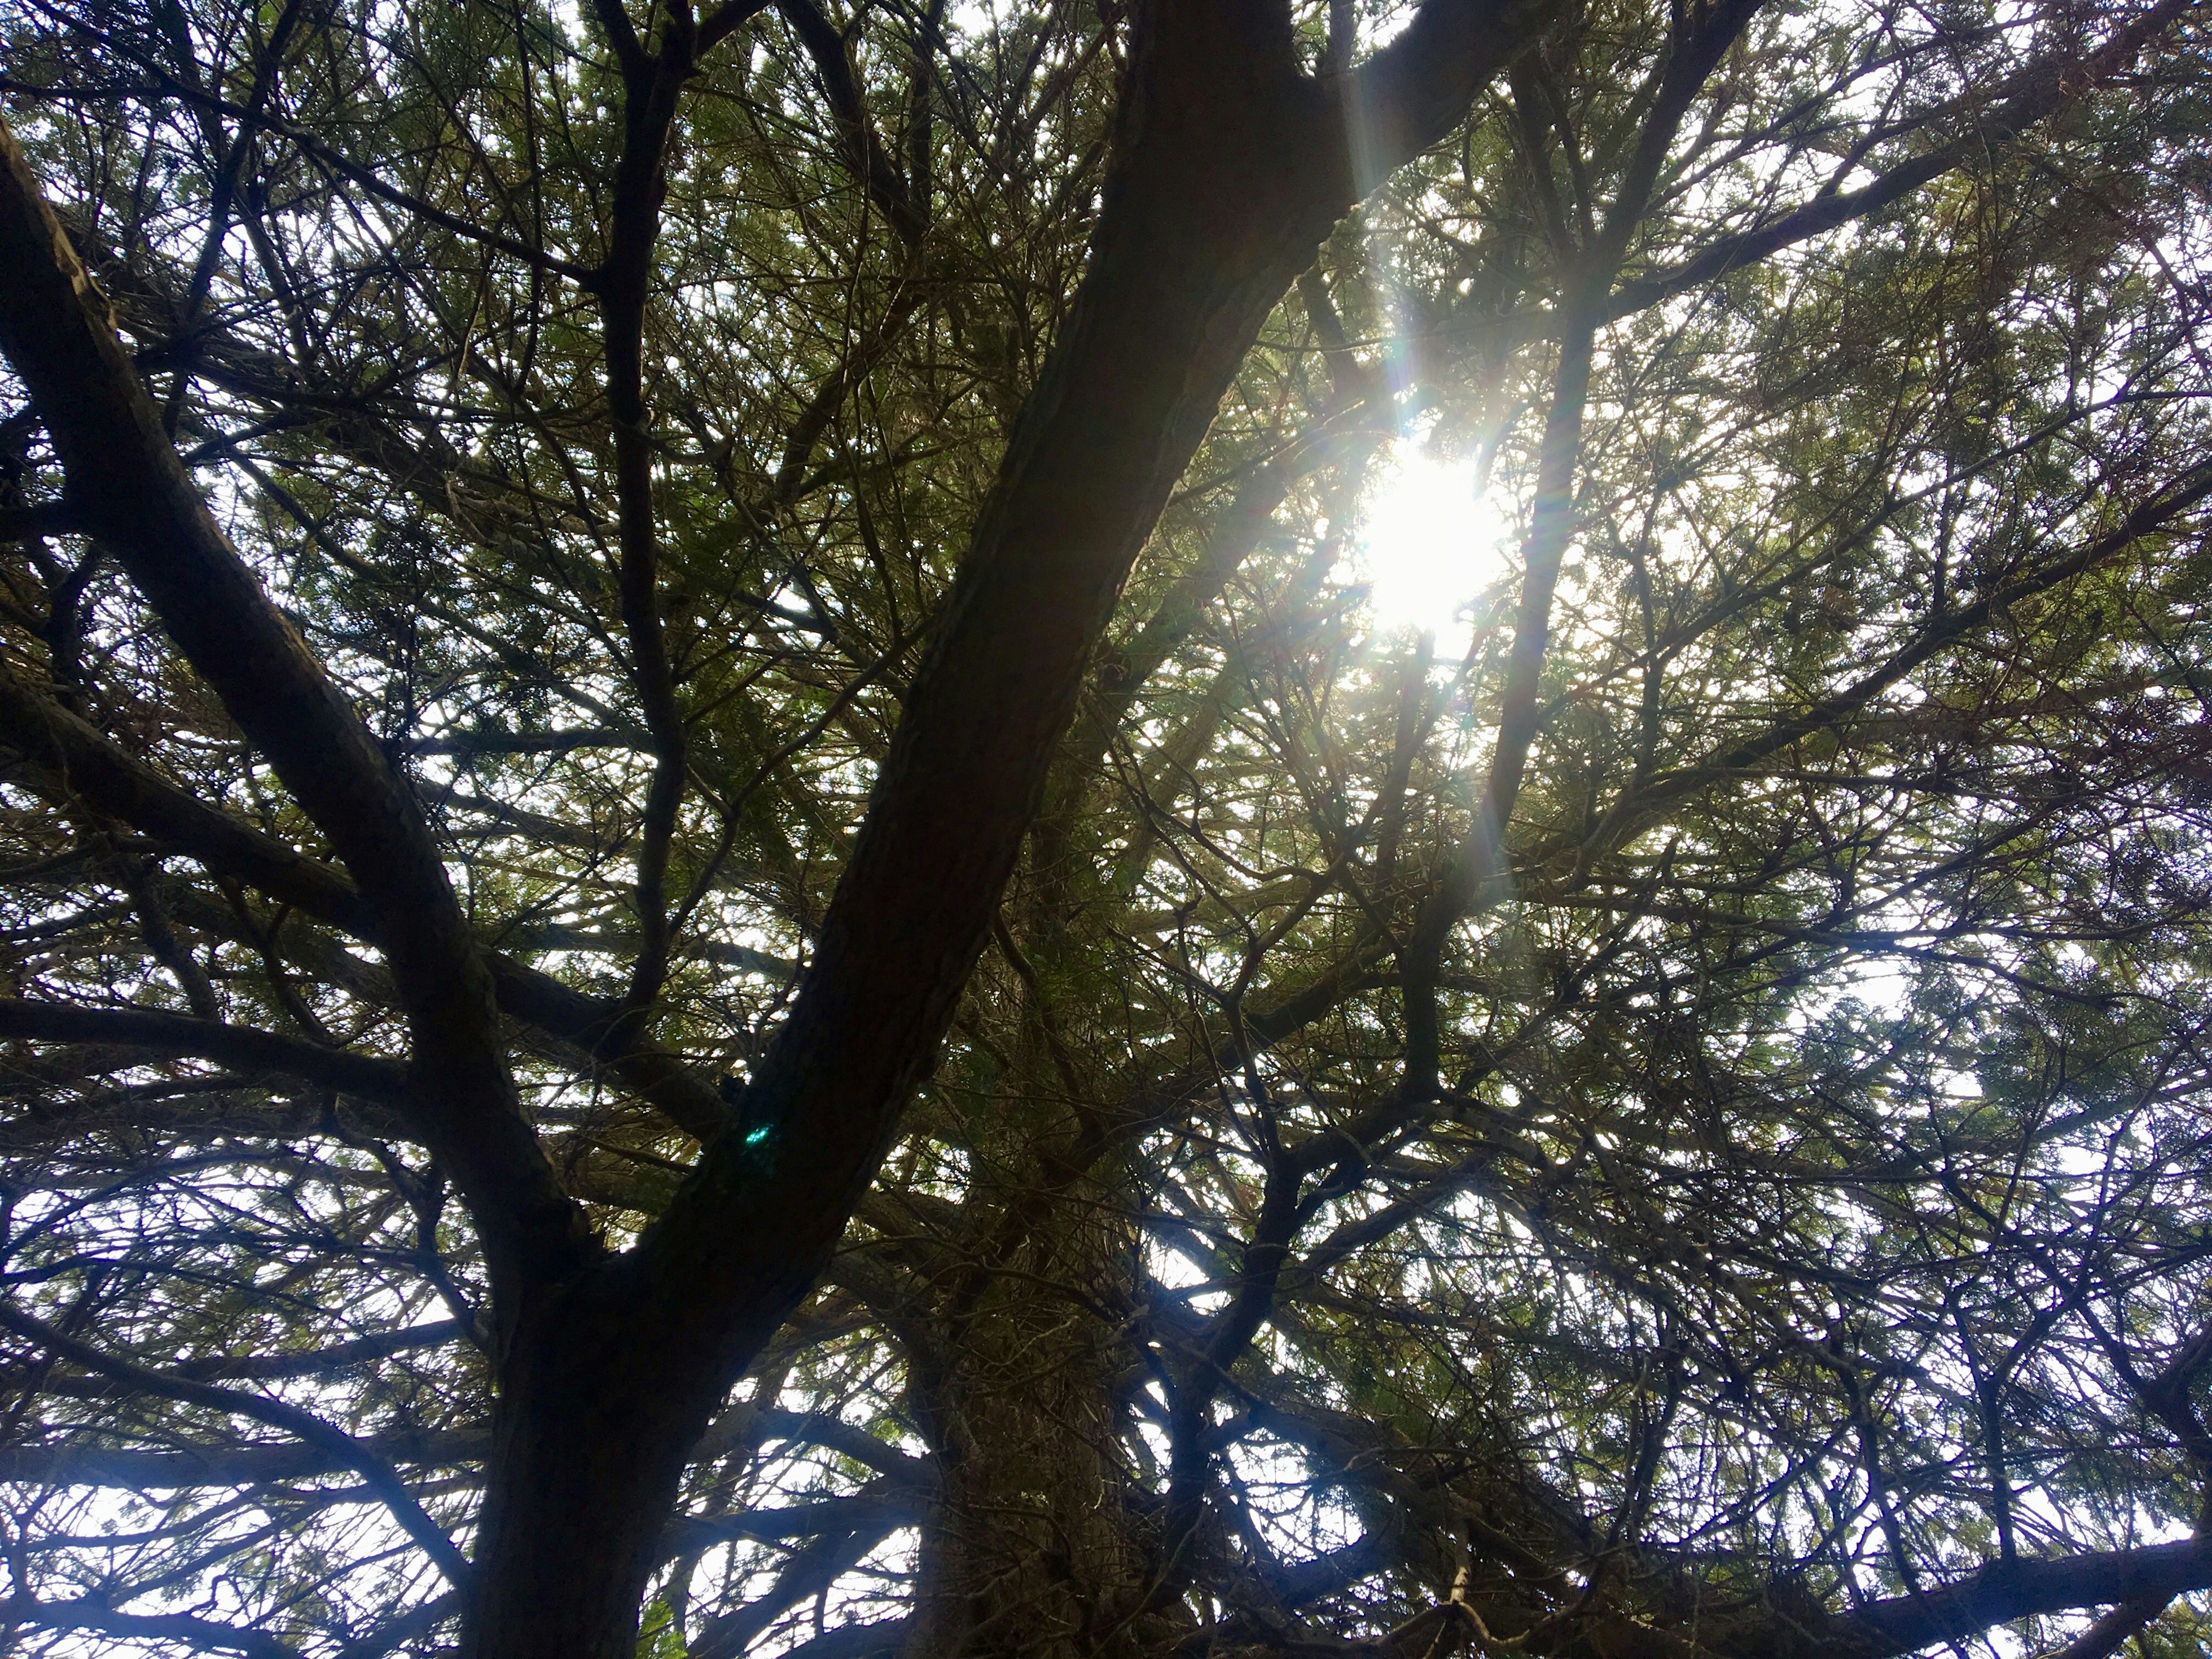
<point x="378" y="1475"/>
<point x="201" y="1466"/>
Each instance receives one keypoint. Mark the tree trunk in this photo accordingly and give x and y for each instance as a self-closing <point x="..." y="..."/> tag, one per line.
<point x="1211" y="212"/>
<point x="591" y="1435"/>
<point x="1036" y="1545"/>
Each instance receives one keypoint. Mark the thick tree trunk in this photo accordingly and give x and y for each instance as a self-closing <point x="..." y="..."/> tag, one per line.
<point x="1035" y="1549"/>
<point x="588" y="1449"/>
<point x="1225" y="181"/>
<point x="1017" y="1374"/>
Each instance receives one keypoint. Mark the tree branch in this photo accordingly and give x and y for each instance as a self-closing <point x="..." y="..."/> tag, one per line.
<point x="528" y="743"/>
<point x="652" y="85"/>
<point x="2041" y="90"/>
<point x="174" y="1036"/>
<point x="2004" y="1591"/>
<point x="1691" y="59"/>
<point x="201" y="1634"/>
<point x="866" y="153"/>
<point x="72" y="762"/>
<point x="1406" y="97"/>
<point x="199" y="1467"/>
<point x="56" y="329"/>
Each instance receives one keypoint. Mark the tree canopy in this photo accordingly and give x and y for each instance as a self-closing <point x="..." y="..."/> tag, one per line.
<point x="731" y="931"/>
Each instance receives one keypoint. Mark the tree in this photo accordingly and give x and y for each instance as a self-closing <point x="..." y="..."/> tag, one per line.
<point x="721" y="911"/>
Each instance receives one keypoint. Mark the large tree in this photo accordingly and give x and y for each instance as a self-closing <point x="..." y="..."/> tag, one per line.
<point x="722" y="907"/>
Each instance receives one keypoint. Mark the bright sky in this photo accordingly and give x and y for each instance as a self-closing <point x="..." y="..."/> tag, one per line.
<point x="1428" y="545"/>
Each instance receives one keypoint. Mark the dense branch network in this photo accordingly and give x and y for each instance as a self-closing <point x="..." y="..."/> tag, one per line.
<point x="726" y="933"/>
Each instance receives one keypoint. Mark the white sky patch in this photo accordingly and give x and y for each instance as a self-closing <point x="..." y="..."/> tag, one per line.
<point x="1427" y="546"/>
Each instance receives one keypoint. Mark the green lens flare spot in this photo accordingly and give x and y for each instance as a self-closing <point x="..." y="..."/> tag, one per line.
<point x="754" y="1137"/>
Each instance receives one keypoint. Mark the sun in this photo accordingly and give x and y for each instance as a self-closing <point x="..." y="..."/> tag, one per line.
<point x="1427" y="544"/>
